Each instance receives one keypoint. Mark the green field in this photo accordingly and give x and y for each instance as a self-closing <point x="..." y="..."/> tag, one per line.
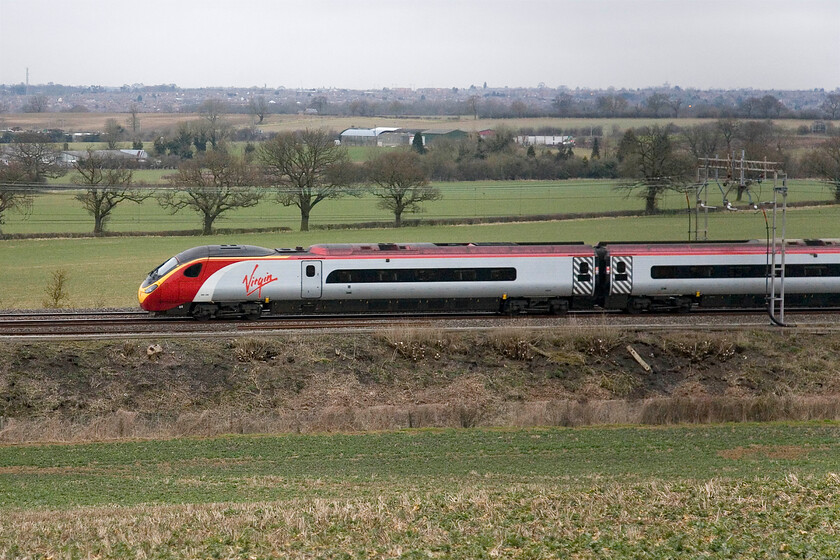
<point x="105" y="272"/>
<point x="59" y="212"/>
<point x="732" y="491"/>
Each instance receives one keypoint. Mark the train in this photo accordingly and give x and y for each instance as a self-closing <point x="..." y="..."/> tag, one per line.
<point x="247" y="281"/>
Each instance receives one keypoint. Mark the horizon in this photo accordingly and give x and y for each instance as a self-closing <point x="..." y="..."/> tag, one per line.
<point x="137" y="85"/>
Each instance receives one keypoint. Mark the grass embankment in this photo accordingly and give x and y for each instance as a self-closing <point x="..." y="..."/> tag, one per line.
<point x="406" y="378"/>
<point x="745" y="491"/>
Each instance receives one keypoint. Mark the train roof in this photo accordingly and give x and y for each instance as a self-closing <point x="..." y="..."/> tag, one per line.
<point x="389" y="249"/>
<point x="713" y="247"/>
<point x="206" y="251"/>
<point x="509" y="248"/>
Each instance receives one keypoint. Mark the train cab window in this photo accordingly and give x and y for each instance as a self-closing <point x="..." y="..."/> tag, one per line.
<point x="193" y="271"/>
<point x="310" y="271"/>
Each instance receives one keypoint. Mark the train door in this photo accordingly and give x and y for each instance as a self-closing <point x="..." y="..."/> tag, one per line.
<point x="621" y="275"/>
<point x="310" y="279"/>
<point x="583" y="276"/>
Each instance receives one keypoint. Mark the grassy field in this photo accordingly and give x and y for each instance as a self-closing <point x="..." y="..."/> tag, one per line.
<point x="105" y="272"/>
<point x="732" y="491"/>
<point x="59" y="212"/>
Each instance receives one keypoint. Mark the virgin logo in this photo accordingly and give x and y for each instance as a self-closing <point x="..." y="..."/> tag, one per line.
<point x="255" y="283"/>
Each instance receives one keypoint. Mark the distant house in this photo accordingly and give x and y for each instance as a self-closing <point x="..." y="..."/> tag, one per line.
<point x="390" y="136"/>
<point x="363" y="136"/>
<point x="399" y="137"/>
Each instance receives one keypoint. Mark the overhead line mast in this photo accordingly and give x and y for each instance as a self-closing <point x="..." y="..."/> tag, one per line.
<point x="742" y="168"/>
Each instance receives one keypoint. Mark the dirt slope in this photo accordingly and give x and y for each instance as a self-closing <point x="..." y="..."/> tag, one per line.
<point x="413" y="378"/>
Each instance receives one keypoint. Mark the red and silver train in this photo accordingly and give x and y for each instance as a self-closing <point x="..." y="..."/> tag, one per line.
<point x="247" y="281"/>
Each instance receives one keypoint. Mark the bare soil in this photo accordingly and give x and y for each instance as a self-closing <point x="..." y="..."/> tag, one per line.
<point x="411" y="378"/>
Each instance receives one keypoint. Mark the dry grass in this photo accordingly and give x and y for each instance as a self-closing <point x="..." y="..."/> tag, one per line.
<point x="459" y="413"/>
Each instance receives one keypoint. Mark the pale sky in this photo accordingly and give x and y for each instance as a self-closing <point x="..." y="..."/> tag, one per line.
<point x="361" y="44"/>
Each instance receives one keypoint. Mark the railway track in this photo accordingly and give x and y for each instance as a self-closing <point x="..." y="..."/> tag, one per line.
<point x="138" y="324"/>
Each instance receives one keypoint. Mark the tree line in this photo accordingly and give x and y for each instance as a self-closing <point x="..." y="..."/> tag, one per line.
<point x="302" y="169"/>
<point x="663" y="102"/>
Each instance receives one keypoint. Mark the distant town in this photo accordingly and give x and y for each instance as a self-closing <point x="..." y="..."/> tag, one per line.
<point x="480" y="101"/>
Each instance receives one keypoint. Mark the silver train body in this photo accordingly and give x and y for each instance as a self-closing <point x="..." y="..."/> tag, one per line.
<point x="219" y="281"/>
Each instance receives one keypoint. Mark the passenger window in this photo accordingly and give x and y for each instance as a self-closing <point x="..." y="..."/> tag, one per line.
<point x="621" y="267"/>
<point x="310" y="270"/>
<point x="193" y="271"/>
<point x="584" y="268"/>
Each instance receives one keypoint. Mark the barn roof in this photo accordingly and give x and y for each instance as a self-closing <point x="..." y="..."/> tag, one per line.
<point x="368" y="132"/>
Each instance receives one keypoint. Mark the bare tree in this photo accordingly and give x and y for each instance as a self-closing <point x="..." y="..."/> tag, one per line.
<point x="519" y="108"/>
<point x="15" y="194"/>
<point x="113" y="133"/>
<point x="36" y="104"/>
<point x="831" y="105"/>
<point x="656" y="103"/>
<point x="703" y="139"/>
<point x="107" y="184"/>
<point x="611" y="105"/>
<point x="401" y="183"/>
<point x="211" y="184"/>
<point x="319" y="103"/>
<point x="675" y="103"/>
<point x="770" y="106"/>
<point x="824" y="162"/>
<point x="749" y="106"/>
<point x="650" y="159"/>
<point x="258" y="107"/>
<point x="212" y="112"/>
<point x="133" y="121"/>
<point x="563" y="104"/>
<point x="729" y="129"/>
<point x="34" y="152"/>
<point x="306" y="168"/>
<point x="472" y="105"/>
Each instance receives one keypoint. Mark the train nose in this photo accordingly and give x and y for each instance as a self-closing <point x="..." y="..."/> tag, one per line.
<point x="147" y="297"/>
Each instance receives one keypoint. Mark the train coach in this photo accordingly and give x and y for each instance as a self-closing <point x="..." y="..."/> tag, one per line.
<point x="677" y="276"/>
<point x="245" y="281"/>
